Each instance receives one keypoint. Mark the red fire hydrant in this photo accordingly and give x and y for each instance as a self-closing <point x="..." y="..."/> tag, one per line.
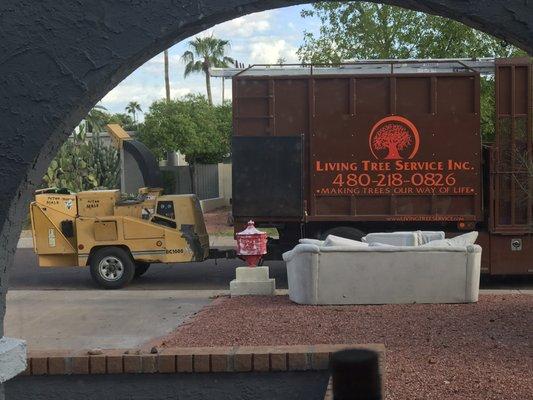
<point x="251" y="244"/>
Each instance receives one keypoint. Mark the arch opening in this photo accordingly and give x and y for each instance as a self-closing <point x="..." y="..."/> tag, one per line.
<point x="52" y="77"/>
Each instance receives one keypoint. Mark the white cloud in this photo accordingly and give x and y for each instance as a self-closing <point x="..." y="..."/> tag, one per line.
<point x="145" y="94"/>
<point x="156" y="64"/>
<point x="265" y="51"/>
<point x="126" y="92"/>
<point x="244" y="27"/>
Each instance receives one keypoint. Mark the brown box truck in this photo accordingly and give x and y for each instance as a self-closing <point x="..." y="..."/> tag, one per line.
<point x="385" y="146"/>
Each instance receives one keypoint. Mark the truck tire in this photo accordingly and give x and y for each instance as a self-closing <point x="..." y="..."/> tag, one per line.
<point x="112" y="267"/>
<point x="345" y="232"/>
<point x="140" y="268"/>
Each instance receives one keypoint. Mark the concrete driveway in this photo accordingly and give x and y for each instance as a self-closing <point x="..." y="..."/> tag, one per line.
<point x="98" y="318"/>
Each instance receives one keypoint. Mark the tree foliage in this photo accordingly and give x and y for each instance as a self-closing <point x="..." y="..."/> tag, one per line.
<point x="98" y="118"/>
<point x="358" y="30"/>
<point x="189" y="125"/>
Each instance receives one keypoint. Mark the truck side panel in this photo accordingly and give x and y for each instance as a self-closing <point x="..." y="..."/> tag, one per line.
<point x="511" y="170"/>
<point x="376" y="147"/>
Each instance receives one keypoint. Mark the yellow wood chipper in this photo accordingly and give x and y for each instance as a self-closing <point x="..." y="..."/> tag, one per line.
<point x="117" y="239"/>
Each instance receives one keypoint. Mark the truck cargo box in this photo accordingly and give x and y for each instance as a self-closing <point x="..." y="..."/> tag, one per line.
<point x="344" y="145"/>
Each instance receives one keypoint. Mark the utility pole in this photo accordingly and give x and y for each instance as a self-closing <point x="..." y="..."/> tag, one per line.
<point x="171" y="155"/>
<point x="223" y="81"/>
<point x="167" y="79"/>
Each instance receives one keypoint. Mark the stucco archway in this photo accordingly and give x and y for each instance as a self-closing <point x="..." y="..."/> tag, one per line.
<point x="58" y="58"/>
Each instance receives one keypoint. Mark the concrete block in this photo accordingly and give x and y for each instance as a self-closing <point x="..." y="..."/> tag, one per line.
<point x="220" y="362"/>
<point x="201" y="363"/>
<point x="132" y="364"/>
<point x="97" y="364"/>
<point x="149" y="363"/>
<point x="114" y="364"/>
<point x="298" y="362"/>
<point x="80" y="365"/>
<point x="57" y="365"/>
<point x="184" y="363"/>
<point x="252" y="281"/>
<point x="251" y="274"/>
<point x="278" y="361"/>
<point x="166" y="363"/>
<point x="39" y="365"/>
<point x="243" y="362"/>
<point x="12" y="358"/>
<point x="261" y="362"/>
<point x="252" y="288"/>
<point x="319" y="361"/>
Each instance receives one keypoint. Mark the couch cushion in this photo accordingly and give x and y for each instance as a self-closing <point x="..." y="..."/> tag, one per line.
<point x="333" y="240"/>
<point x="392" y="238"/>
<point x="414" y="238"/>
<point x="458" y="241"/>
<point x="378" y="244"/>
<point x="424" y="237"/>
<point x="316" y="242"/>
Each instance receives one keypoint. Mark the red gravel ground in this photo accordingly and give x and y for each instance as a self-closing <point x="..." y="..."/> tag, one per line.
<point x="433" y="351"/>
<point x="216" y="221"/>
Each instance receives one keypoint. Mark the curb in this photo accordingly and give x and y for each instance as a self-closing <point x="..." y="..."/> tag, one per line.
<point x="192" y="360"/>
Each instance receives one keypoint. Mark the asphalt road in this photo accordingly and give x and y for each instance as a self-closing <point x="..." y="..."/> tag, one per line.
<point x="208" y="275"/>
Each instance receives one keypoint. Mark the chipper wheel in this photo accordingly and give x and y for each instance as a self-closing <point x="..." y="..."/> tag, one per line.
<point x="140" y="268"/>
<point x="112" y="267"/>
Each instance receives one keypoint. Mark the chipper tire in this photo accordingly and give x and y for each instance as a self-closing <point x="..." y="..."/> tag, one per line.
<point x="112" y="267"/>
<point x="140" y="268"/>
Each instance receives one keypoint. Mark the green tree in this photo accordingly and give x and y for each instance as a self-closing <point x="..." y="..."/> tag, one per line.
<point x="358" y="30"/>
<point x="132" y="109"/>
<point x="191" y="126"/>
<point x="98" y="118"/>
<point x="123" y="119"/>
<point x="203" y="54"/>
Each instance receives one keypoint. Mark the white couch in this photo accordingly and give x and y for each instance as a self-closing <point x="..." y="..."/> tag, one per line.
<point x="443" y="271"/>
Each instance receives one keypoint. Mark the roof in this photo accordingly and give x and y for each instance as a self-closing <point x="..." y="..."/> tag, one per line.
<point x="363" y="67"/>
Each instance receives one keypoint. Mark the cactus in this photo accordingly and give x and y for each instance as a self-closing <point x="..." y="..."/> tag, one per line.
<point x="84" y="164"/>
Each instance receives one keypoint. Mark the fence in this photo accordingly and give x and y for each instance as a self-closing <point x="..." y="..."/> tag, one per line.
<point x="177" y="180"/>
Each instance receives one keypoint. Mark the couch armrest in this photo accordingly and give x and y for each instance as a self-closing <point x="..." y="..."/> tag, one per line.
<point x="300" y="248"/>
<point x="473" y="271"/>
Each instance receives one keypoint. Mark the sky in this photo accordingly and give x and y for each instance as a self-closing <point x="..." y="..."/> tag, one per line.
<point x="259" y="38"/>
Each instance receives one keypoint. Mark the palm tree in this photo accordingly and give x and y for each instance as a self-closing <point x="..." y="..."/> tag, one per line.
<point x="132" y="108"/>
<point x="95" y="119"/>
<point x="205" y="53"/>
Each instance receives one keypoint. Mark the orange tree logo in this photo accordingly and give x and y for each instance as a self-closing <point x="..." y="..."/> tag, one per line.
<point x="394" y="138"/>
